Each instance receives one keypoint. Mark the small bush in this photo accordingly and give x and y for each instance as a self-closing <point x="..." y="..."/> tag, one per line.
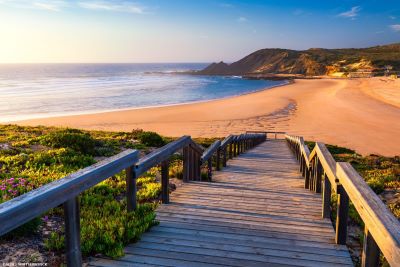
<point x="377" y="185"/>
<point x="151" y="139"/>
<point x="65" y="156"/>
<point x="70" y="138"/>
<point x="149" y="191"/>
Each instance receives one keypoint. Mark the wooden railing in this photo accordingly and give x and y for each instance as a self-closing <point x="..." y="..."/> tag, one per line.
<point x="65" y="191"/>
<point x="323" y="174"/>
<point x="276" y="135"/>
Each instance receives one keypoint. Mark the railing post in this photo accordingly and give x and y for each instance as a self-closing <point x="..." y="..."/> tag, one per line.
<point x="131" y="188"/>
<point x="318" y="177"/>
<point x="209" y="169"/>
<point x="191" y="164"/>
<point x="218" y="159"/>
<point x="72" y="233"/>
<point x="224" y="156"/>
<point x="196" y="166"/>
<point x="326" y="198"/>
<point x="230" y="150"/>
<point x="301" y="165"/>
<point x="342" y="215"/>
<point x="371" y="252"/>
<point x="314" y="177"/>
<point x="236" y="148"/>
<point x="165" y="181"/>
<point x="311" y="175"/>
<point x="186" y="163"/>
<point x="307" y="178"/>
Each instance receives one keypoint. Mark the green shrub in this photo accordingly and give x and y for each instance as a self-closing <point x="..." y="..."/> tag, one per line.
<point x="377" y="185"/>
<point x="106" y="226"/>
<point x="70" y="138"/>
<point x="149" y="191"/>
<point x="395" y="208"/>
<point x="145" y="180"/>
<point x="151" y="139"/>
<point x="64" y="156"/>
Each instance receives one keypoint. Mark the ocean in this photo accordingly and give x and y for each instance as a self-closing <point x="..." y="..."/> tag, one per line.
<point x="44" y="90"/>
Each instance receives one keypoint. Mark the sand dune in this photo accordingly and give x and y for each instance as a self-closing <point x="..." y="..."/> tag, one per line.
<point x="363" y="114"/>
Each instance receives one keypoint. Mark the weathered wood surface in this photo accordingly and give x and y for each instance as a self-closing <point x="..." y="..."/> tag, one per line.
<point x="256" y="212"/>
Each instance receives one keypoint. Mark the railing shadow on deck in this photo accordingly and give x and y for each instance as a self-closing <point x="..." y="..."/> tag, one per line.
<point x="26" y="207"/>
<point x="322" y="175"/>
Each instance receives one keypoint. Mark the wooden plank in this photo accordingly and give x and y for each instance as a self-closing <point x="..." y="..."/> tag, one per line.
<point x="274" y="213"/>
<point x="99" y="262"/>
<point x="156" y="260"/>
<point x="266" y="243"/>
<point x="250" y="235"/>
<point x="192" y="259"/>
<point x="229" y="257"/>
<point x="247" y="218"/>
<point x="243" y="226"/>
<point x="252" y="251"/>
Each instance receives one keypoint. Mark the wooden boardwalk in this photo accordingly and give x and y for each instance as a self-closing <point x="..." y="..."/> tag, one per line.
<point x="256" y="212"/>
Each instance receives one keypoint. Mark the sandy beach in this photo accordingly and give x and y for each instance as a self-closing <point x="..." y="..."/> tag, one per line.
<point x="362" y="114"/>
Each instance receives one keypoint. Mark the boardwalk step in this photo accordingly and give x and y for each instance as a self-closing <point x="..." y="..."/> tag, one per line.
<point x="256" y="212"/>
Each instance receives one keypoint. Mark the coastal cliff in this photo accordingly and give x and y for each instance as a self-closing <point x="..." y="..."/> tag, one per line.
<point x="313" y="62"/>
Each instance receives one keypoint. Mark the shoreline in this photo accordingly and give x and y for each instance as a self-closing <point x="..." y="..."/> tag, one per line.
<point x="336" y="111"/>
<point x="287" y="82"/>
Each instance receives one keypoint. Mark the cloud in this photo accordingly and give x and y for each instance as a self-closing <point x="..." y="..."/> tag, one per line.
<point x="395" y="27"/>
<point x="242" y="19"/>
<point x="392" y="17"/>
<point x="49" y="5"/>
<point x="126" y="7"/>
<point x="352" y="13"/>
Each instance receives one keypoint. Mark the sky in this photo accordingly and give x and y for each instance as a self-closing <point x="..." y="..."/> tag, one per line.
<point x="115" y="31"/>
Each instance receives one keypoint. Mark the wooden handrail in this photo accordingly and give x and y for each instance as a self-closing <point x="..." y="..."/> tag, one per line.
<point x="210" y="151"/>
<point x="161" y="154"/>
<point x="227" y="141"/>
<point x="378" y="219"/>
<point x="21" y="209"/>
<point x="382" y="229"/>
<point x="267" y="132"/>
<point x="24" y="208"/>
